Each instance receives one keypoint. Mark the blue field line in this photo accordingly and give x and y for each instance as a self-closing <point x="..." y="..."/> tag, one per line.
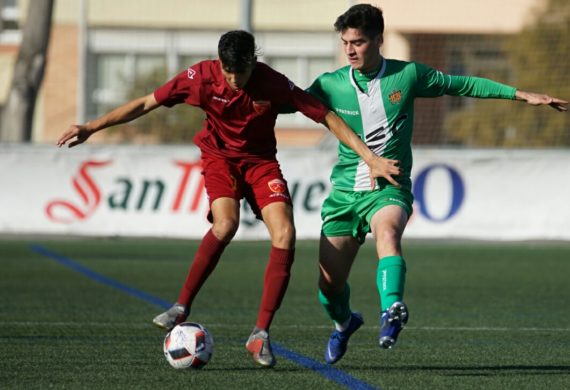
<point x="327" y="371"/>
<point x="100" y="278"/>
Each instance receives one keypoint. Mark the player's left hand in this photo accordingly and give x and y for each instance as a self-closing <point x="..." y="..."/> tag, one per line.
<point x="385" y="168"/>
<point x="538" y="99"/>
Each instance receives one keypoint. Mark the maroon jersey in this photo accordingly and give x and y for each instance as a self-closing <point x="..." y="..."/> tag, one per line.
<point x="238" y="123"/>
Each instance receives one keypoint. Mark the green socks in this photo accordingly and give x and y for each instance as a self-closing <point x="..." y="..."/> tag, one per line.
<point x="337" y="307"/>
<point x="390" y="279"/>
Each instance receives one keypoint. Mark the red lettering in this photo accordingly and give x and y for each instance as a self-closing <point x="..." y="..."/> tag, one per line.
<point x="88" y="192"/>
<point x="187" y="169"/>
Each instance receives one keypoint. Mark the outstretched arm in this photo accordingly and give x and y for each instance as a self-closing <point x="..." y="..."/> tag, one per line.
<point x="432" y="83"/>
<point x="379" y="166"/>
<point x="125" y="113"/>
<point x="538" y="99"/>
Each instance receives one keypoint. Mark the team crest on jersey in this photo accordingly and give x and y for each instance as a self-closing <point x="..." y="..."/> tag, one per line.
<point x="277" y="185"/>
<point x="261" y="106"/>
<point x="395" y="96"/>
<point x="191" y="73"/>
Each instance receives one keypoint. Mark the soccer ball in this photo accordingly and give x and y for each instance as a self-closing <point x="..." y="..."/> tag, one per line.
<point x="188" y="345"/>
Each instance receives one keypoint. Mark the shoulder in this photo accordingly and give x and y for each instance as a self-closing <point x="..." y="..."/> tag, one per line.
<point x="334" y="79"/>
<point x="268" y="78"/>
<point x="341" y="74"/>
<point x="417" y="67"/>
<point x="193" y="78"/>
<point x="264" y="71"/>
<point x="393" y="66"/>
<point x="405" y="69"/>
<point x="204" y="70"/>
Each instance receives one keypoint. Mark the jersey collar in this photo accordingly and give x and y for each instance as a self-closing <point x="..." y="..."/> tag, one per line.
<point x="378" y="76"/>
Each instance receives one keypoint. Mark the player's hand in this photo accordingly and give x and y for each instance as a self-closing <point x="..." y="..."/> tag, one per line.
<point x="80" y="132"/>
<point x="385" y="168"/>
<point x="538" y="99"/>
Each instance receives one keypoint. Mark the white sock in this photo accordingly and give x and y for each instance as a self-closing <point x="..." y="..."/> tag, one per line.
<point x="342" y="327"/>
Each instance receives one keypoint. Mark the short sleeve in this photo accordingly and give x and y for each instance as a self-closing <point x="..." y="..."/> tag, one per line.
<point x="310" y="106"/>
<point x="182" y="88"/>
<point x="287" y="94"/>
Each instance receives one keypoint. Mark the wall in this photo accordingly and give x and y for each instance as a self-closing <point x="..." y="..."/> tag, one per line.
<point x="158" y="191"/>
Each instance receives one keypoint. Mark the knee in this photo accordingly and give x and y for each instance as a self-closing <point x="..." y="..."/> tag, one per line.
<point x="284" y="236"/>
<point x="225" y="229"/>
<point x="389" y="239"/>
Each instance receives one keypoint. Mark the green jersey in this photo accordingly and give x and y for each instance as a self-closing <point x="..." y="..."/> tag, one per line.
<point x="380" y="110"/>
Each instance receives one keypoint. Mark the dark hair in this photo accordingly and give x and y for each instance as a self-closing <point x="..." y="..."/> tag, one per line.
<point x="236" y="50"/>
<point x="365" y="17"/>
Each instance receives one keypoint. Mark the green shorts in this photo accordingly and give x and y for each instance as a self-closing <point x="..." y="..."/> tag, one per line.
<point x="348" y="213"/>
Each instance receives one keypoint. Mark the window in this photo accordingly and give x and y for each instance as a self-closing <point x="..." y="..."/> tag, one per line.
<point x="118" y="57"/>
<point x="475" y="55"/>
<point x="115" y="76"/>
<point x="302" y="71"/>
<point x="9" y="26"/>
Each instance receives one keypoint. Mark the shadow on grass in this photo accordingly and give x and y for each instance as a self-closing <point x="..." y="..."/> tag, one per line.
<point x="517" y="369"/>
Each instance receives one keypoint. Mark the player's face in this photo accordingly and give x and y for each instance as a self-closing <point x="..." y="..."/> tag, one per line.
<point x="237" y="80"/>
<point x="362" y="52"/>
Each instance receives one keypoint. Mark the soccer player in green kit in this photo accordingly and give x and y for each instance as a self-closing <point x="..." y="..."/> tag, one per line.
<point x="375" y="97"/>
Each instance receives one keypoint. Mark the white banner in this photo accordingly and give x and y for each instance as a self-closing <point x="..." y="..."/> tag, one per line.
<point x="158" y="191"/>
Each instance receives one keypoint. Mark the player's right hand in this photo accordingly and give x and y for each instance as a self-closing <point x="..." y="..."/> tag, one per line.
<point x="80" y="132"/>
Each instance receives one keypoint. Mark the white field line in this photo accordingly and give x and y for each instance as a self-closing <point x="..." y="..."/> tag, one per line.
<point x="5" y="324"/>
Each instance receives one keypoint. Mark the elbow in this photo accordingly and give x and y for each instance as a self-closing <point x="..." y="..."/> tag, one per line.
<point x="149" y="102"/>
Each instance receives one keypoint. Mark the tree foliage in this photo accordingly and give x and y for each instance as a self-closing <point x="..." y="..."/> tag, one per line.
<point x="538" y="57"/>
<point x="176" y="125"/>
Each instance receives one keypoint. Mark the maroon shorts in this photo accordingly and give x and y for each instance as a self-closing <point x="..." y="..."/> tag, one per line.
<point x="260" y="182"/>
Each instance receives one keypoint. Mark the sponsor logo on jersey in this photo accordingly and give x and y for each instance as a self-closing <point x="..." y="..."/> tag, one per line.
<point x="347" y="112"/>
<point x="395" y="96"/>
<point x="191" y="73"/>
<point x="277" y="185"/>
<point x="261" y="106"/>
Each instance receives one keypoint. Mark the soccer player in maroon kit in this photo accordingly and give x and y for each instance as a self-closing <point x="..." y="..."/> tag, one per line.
<point x="241" y="98"/>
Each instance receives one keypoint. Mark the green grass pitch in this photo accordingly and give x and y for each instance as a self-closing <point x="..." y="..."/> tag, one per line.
<point x="482" y="316"/>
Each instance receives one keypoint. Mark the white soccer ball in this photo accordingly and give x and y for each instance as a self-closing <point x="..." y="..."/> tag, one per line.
<point x="188" y="345"/>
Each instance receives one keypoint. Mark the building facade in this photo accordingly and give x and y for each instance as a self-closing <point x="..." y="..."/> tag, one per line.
<point x="99" y="48"/>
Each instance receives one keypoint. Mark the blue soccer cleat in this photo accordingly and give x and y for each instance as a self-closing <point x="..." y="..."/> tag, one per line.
<point x="336" y="347"/>
<point x="392" y="322"/>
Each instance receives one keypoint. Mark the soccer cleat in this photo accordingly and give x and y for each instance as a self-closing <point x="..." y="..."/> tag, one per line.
<point x="336" y="347"/>
<point x="172" y="317"/>
<point x="392" y="321"/>
<point x="259" y="347"/>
